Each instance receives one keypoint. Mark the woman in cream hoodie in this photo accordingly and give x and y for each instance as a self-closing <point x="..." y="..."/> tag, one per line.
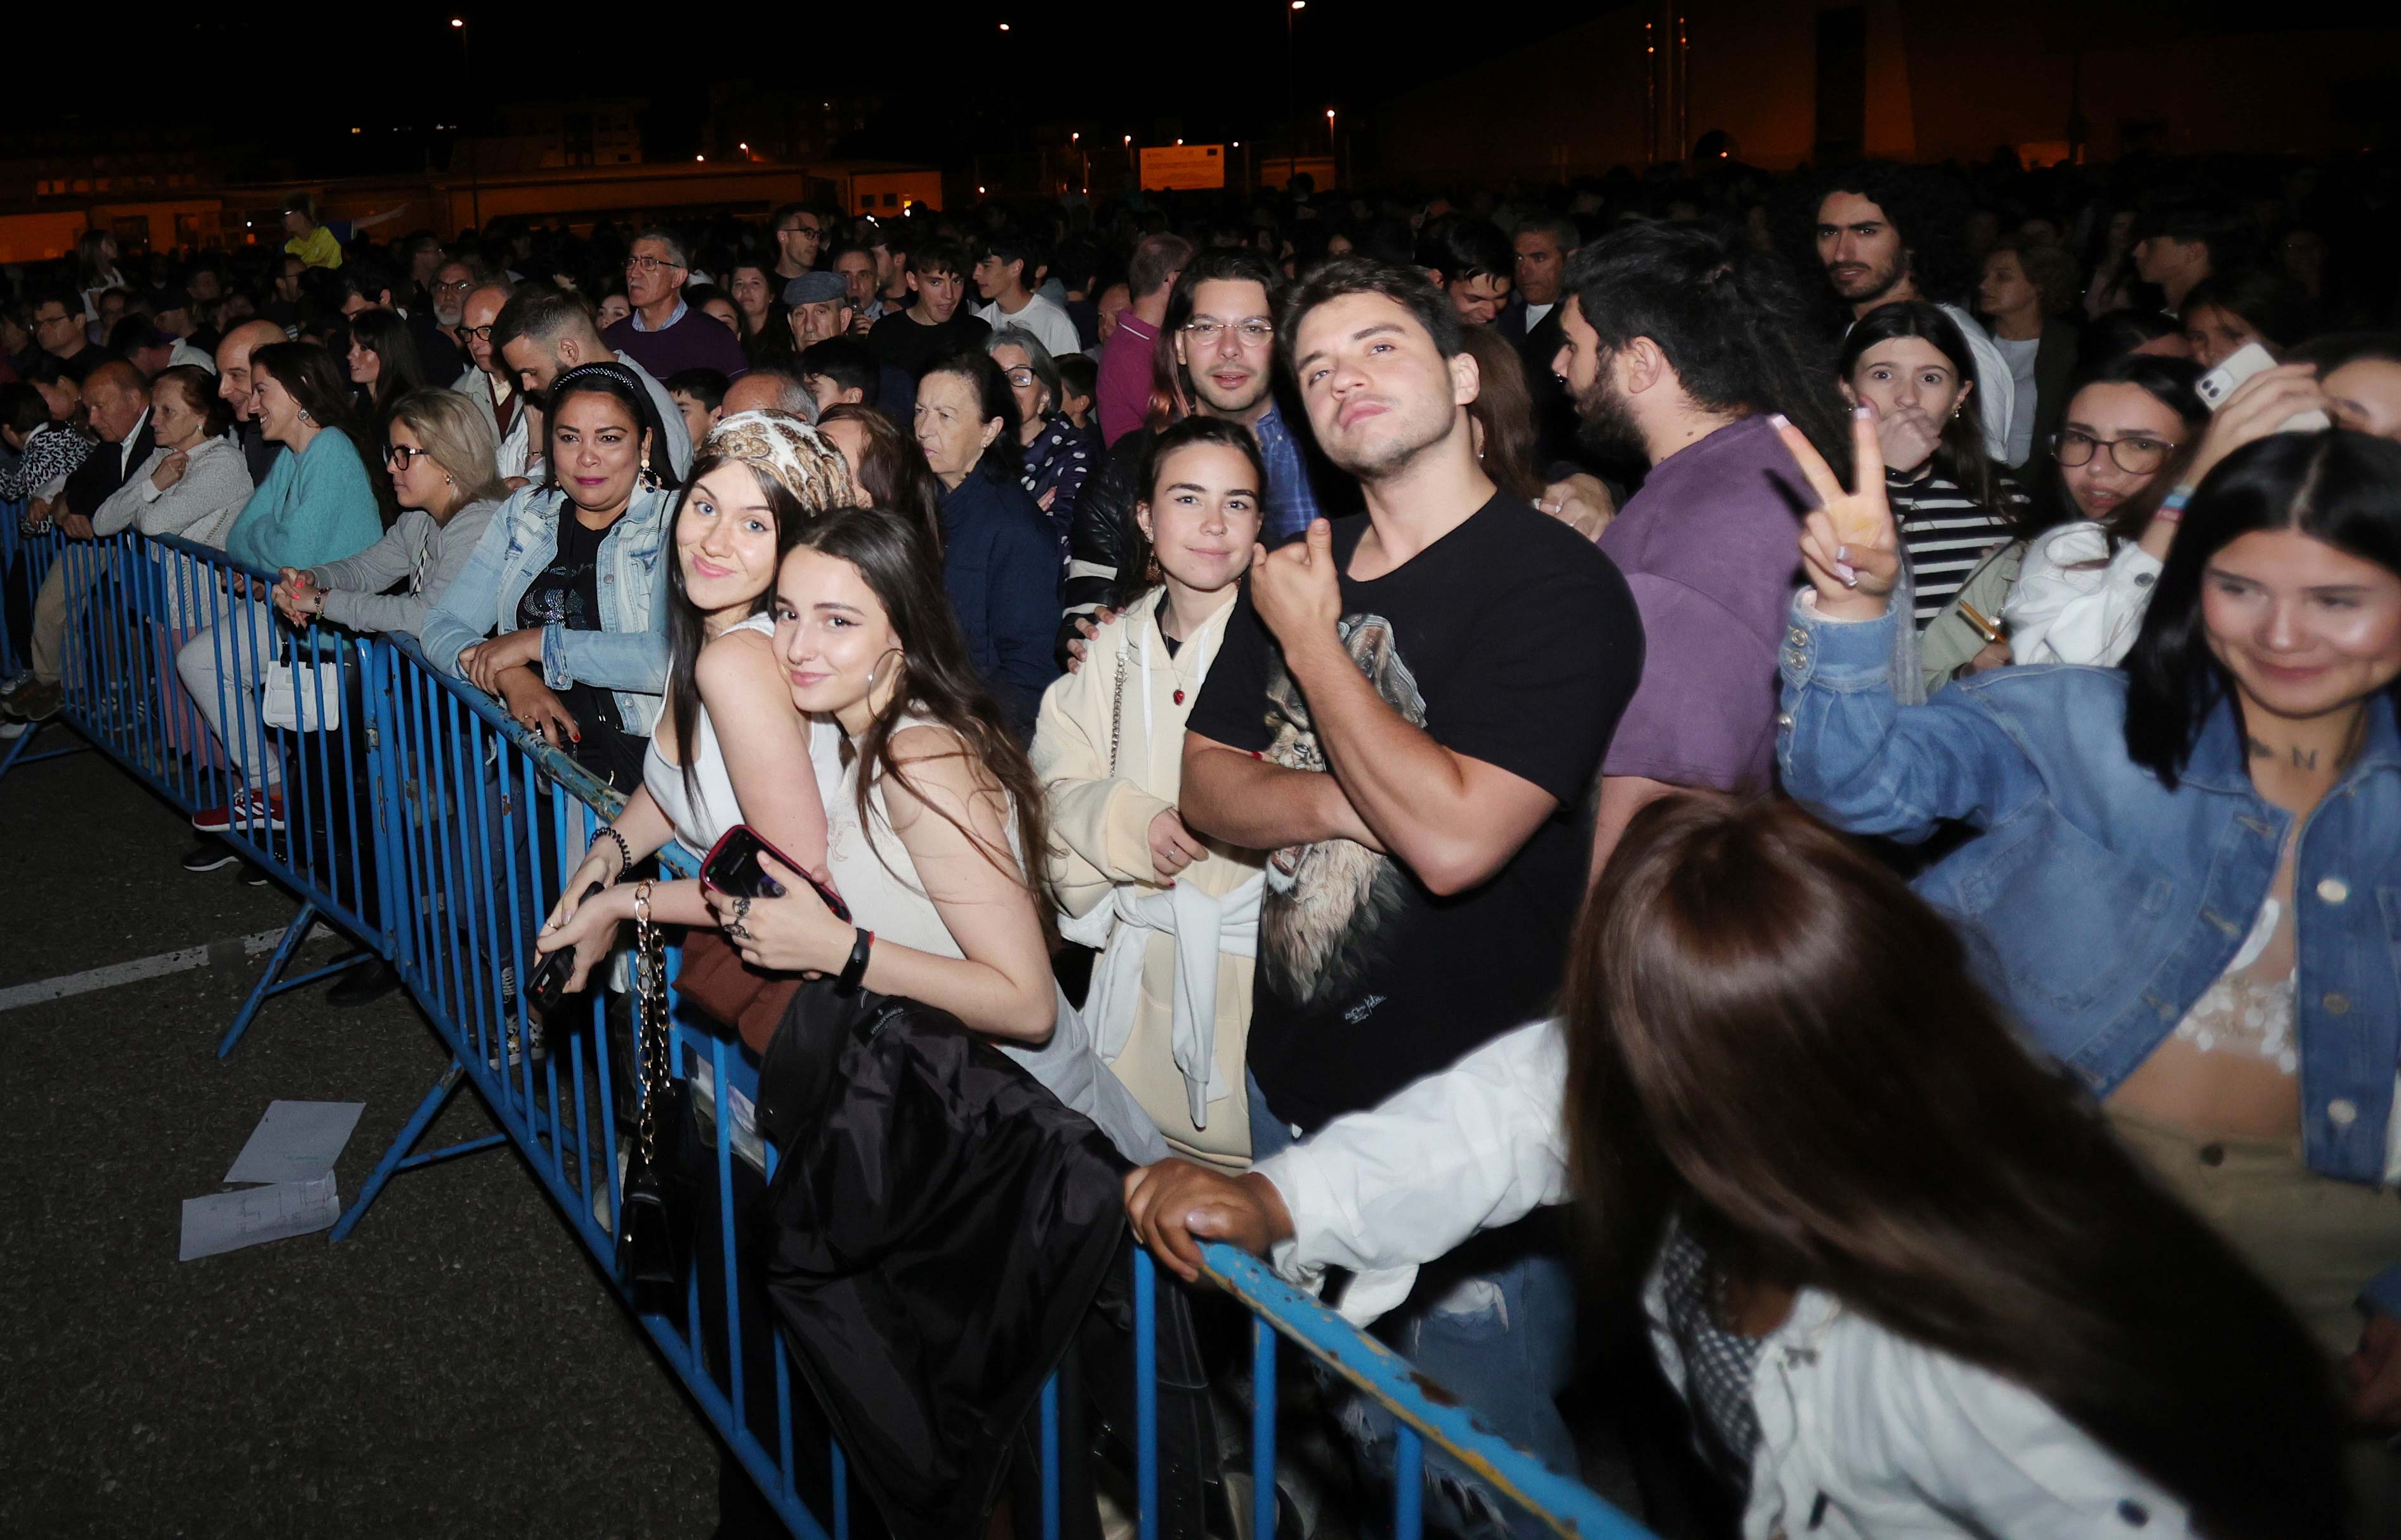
<point x="1176" y="916"/>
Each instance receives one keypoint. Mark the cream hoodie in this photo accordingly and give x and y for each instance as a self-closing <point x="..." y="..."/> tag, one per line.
<point x="1100" y="826"/>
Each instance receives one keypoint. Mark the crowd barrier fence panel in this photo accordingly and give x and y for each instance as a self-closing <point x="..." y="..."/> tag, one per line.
<point x="461" y="828"/>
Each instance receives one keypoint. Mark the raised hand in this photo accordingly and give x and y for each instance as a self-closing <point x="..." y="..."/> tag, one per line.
<point x="1849" y="546"/>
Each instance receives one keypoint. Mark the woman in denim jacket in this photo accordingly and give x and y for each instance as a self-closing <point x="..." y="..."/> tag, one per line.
<point x="2189" y="884"/>
<point x="570" y="577"/>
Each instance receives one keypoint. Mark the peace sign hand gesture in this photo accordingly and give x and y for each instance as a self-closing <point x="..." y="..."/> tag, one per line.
<point x="1848" y="546"/>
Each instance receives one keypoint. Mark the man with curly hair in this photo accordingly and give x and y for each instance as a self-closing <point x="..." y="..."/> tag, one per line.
<point x="1886" y="233"/>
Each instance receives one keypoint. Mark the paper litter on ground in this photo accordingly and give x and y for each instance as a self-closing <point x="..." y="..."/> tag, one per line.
<point x="295" y="1141"/>
<point x="228" y="1222"/>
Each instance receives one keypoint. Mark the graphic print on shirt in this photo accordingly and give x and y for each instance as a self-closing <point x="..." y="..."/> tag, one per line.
<point x="1327" y="904"/>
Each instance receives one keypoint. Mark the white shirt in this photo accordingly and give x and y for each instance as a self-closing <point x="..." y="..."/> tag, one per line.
<point x="670" y="421"/>
<point x="2020" y="357"/>
<point x="1046" y="320"/>
<point x="1992" y="370"/>
<point x="1534" y="313"/>
<point x="2075" y="602"/>
<point x="1895" y="1439"/>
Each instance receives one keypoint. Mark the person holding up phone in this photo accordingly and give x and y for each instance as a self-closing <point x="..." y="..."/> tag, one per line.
<point x="932" y="813"/>
<point x="730" y="745"/>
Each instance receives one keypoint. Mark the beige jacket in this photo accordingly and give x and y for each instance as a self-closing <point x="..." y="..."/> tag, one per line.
<point x="1099" y="827"/>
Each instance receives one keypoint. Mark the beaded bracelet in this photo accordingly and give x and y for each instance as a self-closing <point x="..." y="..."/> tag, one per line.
<point x="2172" y="508"/>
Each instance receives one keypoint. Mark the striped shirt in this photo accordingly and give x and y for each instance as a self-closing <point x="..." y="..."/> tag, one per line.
<point x="1947" y="534"/>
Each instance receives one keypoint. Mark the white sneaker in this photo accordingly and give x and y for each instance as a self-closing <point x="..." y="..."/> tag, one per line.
<point x="11" y="728"/>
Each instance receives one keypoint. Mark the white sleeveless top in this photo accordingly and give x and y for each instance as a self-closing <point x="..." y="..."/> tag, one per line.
<point x="873" y="874"/>
<point x="700" y="820"/>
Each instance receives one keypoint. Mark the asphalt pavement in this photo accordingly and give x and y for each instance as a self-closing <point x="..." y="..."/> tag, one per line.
<point x="456" y="1367"/>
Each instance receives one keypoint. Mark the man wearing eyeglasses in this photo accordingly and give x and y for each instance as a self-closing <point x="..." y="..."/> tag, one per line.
<point x="800" y="236"/>
<point x="59" y="330"/>
<point x="493" y="389"/>
<point x="1221" y="315"/>
<point x="663" y="335"/>
<point x="440" y="344"/>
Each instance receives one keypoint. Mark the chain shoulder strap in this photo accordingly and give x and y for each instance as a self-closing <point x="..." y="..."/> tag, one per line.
<point x="650" y="987"/>
<point x="1117" y="713"/>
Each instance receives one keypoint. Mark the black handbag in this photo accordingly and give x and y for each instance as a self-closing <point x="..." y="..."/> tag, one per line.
<point x="653" y="1227"/>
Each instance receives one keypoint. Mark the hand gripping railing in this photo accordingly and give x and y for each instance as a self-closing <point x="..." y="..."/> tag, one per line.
<point x="462" y="828"/>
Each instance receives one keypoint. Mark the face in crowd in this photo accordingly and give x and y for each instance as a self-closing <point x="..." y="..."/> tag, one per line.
<point x="2305" y="628"/>
<point x="939" y="293"/>
<point x="596" y="450"/>
<point x="950" y="426"/>
<point x="1860" y="248"/>
<point x="836" y="639"/>
<point x="1228" y="346"/>
<point x="725" y="542"/>
<point x="1202" y="516"/>
<point x="799" y="239"/>
<point x="1540" y="268"/>
<point x="1379" y="393"/>
<point x="2115" y="439"/>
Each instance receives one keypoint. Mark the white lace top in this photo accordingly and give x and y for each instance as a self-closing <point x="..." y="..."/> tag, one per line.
<point x="2249" y="1009"/>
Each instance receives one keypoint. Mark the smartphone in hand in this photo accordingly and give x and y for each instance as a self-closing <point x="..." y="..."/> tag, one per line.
<point x="733" y="868"/>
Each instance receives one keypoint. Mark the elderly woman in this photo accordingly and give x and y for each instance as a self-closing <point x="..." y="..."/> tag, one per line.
<point x="1055" y="455"/>
<point x="1001" y="555"/>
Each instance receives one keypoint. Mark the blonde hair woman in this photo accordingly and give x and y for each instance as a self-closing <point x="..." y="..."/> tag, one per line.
<point x="445" y="476"/>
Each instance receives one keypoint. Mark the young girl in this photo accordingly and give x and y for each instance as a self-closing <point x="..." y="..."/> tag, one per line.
<point x="1906" y="1282"/>
<point x="1132" y="880"/>
<point x="931" y="813"/>
<point x="761" y="477"/>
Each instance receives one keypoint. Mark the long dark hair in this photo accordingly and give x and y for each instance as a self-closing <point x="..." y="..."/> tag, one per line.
<point x="827" y="485"/>
<point x="2338" y="486"/>
<point x="322" y="390"/>
<point x="1133" y="570"/>
<point x="2168" y="381"/>
<point x="386" y="335"/>
<point x="1959" y="456"/>
<point x="893" y="474"/>
<point x="1504" y="409"/>
<point x="937" y="680"/>
<point x="1774" y="1041"/>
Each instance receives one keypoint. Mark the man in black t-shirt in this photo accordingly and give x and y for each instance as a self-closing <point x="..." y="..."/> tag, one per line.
<point x="933" y="325"/>
<point x="1408" y="711"/>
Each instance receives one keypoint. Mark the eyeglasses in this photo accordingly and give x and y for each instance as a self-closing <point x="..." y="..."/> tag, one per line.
<point x="481" y="334"/>
<point x="802" y="229"/>
<point x="461" y="284"/>
<point x="401" y="456"/>
<point x="2135" y="455"/>
<point x="52" y="319"/>
<point x="1254" y="333"/>
<point x="649" y="264"/>
<point x="1020" y="378"/>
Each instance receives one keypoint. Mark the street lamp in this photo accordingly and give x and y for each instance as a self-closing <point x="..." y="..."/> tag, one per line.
<point x="1291" y="113"/>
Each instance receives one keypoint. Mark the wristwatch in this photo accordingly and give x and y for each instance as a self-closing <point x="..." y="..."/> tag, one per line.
<point x="856" y="969"/>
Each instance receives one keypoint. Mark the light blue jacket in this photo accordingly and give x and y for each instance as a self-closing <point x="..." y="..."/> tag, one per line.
<point x="2103" y="904"/>
<point x="627" y="655"/>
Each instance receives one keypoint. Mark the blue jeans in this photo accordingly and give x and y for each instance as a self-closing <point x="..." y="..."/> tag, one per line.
<point x="1494" y="1324"/>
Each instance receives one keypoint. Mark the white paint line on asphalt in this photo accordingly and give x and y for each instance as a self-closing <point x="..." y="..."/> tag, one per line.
<point x="46" y="990"/>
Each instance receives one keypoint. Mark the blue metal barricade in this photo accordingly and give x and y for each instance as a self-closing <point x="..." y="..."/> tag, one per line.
<point x="419" y="818"/>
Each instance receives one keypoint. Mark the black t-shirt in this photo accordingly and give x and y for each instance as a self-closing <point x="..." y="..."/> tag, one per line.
<point x="567" y="593"/>
<point x="1512" y="640"/>
<point x="899" y="341"/>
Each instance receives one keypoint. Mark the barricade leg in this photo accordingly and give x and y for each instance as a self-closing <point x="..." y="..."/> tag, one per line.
<point x="17" y="754"/>
<point x="398" y="1158"/>
<point x="272" y="983"/>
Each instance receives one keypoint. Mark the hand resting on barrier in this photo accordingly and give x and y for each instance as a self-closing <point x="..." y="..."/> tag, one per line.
<point x="296" y="598"/>
<point x="486" y="661"/>
<point x="1176" y="1205"/>
<point x="532" y="703"/>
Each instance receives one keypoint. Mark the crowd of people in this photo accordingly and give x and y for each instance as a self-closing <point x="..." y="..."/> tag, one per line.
<point x="1833" y="736"/>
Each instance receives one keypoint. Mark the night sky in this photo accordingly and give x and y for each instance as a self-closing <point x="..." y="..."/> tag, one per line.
<point x="289" y="81"/>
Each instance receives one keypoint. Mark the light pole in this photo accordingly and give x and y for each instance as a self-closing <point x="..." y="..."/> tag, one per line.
<point x="467" y="80"/>
<point x="1291" y="113"/>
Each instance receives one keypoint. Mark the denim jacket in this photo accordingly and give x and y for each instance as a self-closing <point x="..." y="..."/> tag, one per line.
<point x="2102" y="904"/>
<point x="627" y="655"/>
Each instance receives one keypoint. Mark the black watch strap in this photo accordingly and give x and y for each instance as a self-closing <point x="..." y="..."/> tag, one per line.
<point x="856" y="969"/>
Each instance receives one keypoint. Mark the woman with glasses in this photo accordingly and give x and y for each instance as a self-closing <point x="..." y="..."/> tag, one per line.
<point x="440" y="455"/>
<point x="1055" y="455"/>
<point x="2125" y="440"/>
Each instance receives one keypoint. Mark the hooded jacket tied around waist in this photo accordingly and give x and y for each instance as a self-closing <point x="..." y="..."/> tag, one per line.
<point x="935" y="1233"/>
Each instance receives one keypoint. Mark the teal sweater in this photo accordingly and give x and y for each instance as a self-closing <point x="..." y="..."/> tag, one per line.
<point x="313" y="507"/>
